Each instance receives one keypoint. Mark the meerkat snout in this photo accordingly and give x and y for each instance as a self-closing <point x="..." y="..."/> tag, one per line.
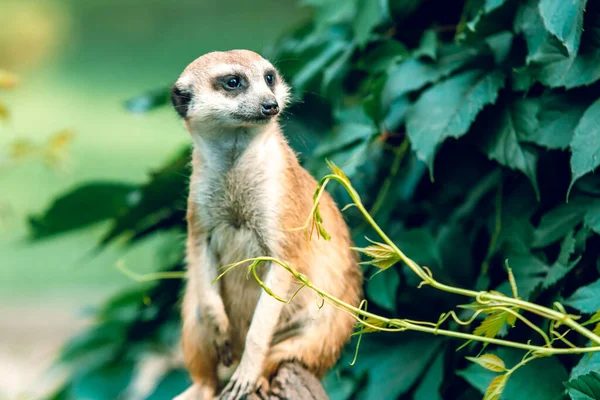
<point x="270" y="107"/>
<point x="230" y="89"/>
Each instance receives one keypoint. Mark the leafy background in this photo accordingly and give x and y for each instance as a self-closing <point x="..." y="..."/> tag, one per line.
<point x="471" y="130"/>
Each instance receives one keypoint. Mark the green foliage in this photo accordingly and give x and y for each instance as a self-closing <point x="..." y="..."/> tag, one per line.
<point x="498" y="99"/>
<point x="525" y="382"/>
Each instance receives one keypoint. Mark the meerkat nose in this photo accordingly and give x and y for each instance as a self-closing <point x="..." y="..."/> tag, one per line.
<point x="270" y="107"/>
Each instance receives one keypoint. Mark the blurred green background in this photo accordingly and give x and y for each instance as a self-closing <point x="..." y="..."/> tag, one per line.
<point x="77" y="62"/>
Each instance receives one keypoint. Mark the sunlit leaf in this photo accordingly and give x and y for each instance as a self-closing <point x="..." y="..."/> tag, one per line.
<point x="57" y="147"/>
<point x="336" y="170"/>
<point x="381" y="254"/>
<point x="21" y="148"/>
<point x="8" y="80"/>
<point x="492" y="324"/>
<point x="374" y="324"/>
<point x="594" y="318"/>
<point x="4" y="114"/>
<point x="496" y="388"/>
<point x="489" y="361"/>
<point x="539" y="379"/>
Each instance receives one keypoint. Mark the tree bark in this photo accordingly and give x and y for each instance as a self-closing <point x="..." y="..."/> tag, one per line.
<point x="292" y="382"/>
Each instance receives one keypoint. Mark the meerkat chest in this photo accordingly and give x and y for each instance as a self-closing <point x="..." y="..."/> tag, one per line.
<point x="239" y="206"/>
<point x="239" y="210"/>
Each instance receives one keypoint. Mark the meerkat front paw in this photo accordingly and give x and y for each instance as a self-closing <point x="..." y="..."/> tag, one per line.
<point x="245" y="381"/>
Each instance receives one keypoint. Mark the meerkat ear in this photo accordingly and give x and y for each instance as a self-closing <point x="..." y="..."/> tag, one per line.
<point x="181" y="101"/>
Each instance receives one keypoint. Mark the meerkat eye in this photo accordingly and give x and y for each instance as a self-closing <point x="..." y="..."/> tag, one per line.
<point x="270" y="79"/>
<point x="232" y="82"/>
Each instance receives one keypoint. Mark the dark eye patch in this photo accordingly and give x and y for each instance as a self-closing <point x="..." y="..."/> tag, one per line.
<point x="231" y="84"/>
<point x="270" y="77"/>
<point x="181" y="101"/>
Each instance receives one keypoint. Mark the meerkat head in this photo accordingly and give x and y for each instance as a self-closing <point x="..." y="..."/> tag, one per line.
<point x="232" y="89"/>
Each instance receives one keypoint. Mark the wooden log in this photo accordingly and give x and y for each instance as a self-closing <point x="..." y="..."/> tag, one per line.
<point x="292" y="382"/>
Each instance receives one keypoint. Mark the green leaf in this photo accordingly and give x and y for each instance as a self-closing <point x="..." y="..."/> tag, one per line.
<point x="587" y="385"/>
<point x="107" y="383"/>
<point x="492" y="324"/>
<point x="386" y="364"/>
<point x="380" y="55"/>
<point x="585" y="146"/>
<point x="529" y="270"/>
<point x="586" y="299"/>
<point x="587" y="363"/>
<point x="547" y="60"/>
<point x="352" y="158"/>
<point x="370" y="14"/>
<point x="491" y="5"/>
<point x="414" y="74"/>
<point x="448" y="110"/>
<point x="487" y="20"/>
<point x="171" y="385"/>
<point x="148" y="101"/>
<point x="558" y="117"/>
<point x="334" y="74"/>
<point x="564" y="19"/>
<point x="382" y="288"/>
<point x="537" y="380"/>
<point x="330" y="52"/>
<point x="489" y="361"/>
<point x="502" y="142"/>
<point x="500" y="45"/>
<point x="428" y="46"/>
<point x="419" y="244"/>
<point x="429" y="388"/>
<point x="542" y="48"/>
<point x="381" y="255"/>
<point x="570" y="73"/>
<point x="353" y="126"/>
<point x="556" y="223"/>
<point x="497" y="385"/>
<point x="562" y="266"/>
<point x="85" y="205"/>
<point x="339" y="387"/>
<point x="160" y="198"/>
<point x="592" y="217"/>
<point x="332" y="12"/>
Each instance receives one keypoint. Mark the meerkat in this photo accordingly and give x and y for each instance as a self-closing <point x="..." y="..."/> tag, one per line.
<point x="247" y="192"/>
